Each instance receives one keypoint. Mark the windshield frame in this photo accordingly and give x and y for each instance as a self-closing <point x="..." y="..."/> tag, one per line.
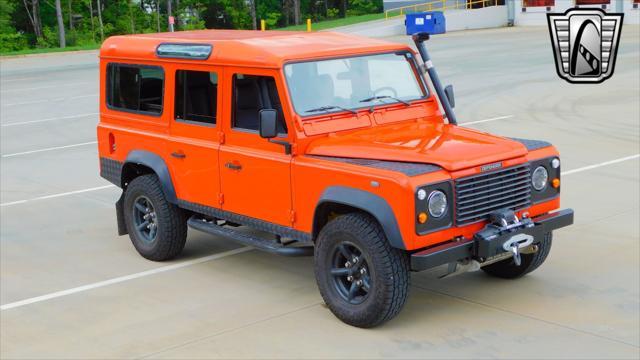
<point x="372" y="104"/>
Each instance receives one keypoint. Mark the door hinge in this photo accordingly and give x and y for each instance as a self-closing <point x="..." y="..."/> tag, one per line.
<point x="221" y="137"/>
<point x="221" y="198"/>
<point x="292" y="216"/>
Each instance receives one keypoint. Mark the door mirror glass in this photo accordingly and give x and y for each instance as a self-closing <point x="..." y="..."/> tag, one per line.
<point x="268" y="123"/>
<point x="448" y="92"/>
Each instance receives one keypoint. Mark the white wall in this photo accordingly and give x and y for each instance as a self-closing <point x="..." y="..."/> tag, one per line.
<point x="490" y="17"/>
<point x="537" y="16"/>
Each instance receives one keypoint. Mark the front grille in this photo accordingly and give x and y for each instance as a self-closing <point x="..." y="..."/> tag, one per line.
<point x="479" y="195"/>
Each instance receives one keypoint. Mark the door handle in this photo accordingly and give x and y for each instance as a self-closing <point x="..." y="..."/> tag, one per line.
<point x="233" y="165"/>
<point x="179" y="155"/>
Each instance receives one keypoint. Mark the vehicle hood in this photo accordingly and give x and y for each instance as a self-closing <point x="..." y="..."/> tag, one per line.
<point x="448" y="146"/>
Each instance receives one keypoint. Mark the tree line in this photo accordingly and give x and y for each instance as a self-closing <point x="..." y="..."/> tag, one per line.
<point x="28" y="24"/>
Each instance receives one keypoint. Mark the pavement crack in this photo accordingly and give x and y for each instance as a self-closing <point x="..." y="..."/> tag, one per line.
<point x="228" y="330"/>
<point x="461" y="298"/>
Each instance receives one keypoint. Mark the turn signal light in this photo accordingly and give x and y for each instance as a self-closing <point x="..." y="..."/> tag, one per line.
<point x="422" y="218"/>
<point x="555" y="183"/>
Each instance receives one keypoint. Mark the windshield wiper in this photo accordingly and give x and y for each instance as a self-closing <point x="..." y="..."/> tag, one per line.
<point x="331" y="107"/>
<point x="373" y="98"/>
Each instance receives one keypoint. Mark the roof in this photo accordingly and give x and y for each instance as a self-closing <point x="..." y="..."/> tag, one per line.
<point x="249" y="48"/>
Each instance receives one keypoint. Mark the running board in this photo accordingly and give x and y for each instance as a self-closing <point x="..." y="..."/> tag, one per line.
<point x="247" y="239"/>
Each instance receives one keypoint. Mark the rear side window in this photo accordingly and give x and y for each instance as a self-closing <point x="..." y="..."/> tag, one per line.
<point x="135" y="88"/>
<point x="196" y="96"/>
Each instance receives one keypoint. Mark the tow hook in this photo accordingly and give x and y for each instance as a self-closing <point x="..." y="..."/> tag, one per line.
<point x="516" y="243"/>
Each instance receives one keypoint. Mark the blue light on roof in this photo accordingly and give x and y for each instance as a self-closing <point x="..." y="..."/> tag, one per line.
<point x="184" y="51"/>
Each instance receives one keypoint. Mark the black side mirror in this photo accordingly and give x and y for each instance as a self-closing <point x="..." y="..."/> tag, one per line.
<point x="448" y="92"/>
<point x="268" y="123"/>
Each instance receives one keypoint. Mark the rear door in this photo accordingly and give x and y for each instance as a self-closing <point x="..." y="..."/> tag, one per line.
<point x="255" y="173"/>
<point x="194" y="141"/>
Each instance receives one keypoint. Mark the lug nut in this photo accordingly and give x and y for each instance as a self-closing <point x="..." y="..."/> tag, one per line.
<point x="355" y="260"/>
<point x="363" y="271"/>
<point x="349" y="278"/>
<point x="347" y="264"/>
<point x="359" y="282"/>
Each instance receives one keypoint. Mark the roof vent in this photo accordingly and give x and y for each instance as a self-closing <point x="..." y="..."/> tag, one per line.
<point x="184" y="51"/>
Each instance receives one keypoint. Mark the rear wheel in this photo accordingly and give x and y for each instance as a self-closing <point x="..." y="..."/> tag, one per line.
<point x="157" y="228"/>
<point x="507" y="269"/>
<point x="362" y="279"/>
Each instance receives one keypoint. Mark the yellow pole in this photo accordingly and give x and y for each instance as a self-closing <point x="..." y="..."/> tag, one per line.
<point x="308" y="25"/>
<point x="263" y="25"/>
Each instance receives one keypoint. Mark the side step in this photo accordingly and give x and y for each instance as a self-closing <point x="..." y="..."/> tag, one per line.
<point x="249" y="240"/>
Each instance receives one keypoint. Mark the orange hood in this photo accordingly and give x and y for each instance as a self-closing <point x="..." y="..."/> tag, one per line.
<point x="450" y="147"/>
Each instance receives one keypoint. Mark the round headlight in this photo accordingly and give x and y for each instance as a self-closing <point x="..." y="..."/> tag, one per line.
<point x="437" y="203"/>
<point x="539" y="178"/>
<point x="422" y="194"/>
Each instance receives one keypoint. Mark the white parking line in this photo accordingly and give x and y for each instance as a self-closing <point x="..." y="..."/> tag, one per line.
<point x="594" y="166"/>
<point x="120" y="279"/>
<point x="49" y="119"/>
<point x="50" y="100"/>
<point x="487" y="120"/>
<point x="190" y="262"/>
<point x="56" y="195"/>
<point x="49" y="149"/>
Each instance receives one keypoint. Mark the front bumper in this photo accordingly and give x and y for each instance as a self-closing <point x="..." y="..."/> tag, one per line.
<point x="488" y="242"/>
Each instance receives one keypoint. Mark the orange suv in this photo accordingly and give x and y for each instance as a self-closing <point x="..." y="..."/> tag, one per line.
<point x="331" y="145"/>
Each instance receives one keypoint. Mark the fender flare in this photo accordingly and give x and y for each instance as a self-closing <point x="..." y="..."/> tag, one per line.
<point x="368" y="202"/>
<point x="158" y="165"/>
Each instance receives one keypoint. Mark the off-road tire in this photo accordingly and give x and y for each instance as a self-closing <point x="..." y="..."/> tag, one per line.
<point x="171" y="220"/>
<point x="388" y="271"/>
<point x="507" y="269"/>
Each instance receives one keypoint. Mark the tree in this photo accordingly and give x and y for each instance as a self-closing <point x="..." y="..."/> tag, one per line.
<point x="61" y="34"/>
<point x="93" y="27"/>
<point x="34" y="16"/>
<point x="99" y="6"/>
<point x="252" y="10"/>
<point x="296" y="12"/>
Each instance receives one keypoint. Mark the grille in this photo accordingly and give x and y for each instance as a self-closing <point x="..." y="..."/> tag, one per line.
<point x="479" y="195"/>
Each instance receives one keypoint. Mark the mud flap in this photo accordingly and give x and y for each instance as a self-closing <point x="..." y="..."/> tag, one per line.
<point x="122" y="226"/>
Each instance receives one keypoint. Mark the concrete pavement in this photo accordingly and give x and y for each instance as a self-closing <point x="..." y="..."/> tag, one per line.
<point x="584" y="302"/>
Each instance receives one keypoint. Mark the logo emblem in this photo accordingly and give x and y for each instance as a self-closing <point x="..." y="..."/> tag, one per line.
<point x="490" y="167"/>
<point x="585" y="44"/>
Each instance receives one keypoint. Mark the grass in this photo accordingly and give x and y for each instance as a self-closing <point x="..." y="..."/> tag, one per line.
<point x="329" y="24"/>
<point x="323" y="25"/>
<point x="50" y="50"/>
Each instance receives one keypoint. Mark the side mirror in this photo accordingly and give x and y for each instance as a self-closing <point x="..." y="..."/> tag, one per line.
<point x="268" y="123"/>
<point x="448" y="92"/>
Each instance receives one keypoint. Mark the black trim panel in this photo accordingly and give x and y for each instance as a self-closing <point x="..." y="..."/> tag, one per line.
<point x="157" y="164"/>
<point x="272" y="228"/>
<point x="111" y="170"/>
<point x="407" y="168"/>
<point x="532" y="144"/>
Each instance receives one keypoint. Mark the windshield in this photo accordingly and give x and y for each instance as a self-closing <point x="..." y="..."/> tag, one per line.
<point x="350" y="83"/>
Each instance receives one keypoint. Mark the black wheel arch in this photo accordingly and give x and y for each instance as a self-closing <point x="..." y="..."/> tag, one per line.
<point x="142" y="162"/>
<point x="342" y="200"/>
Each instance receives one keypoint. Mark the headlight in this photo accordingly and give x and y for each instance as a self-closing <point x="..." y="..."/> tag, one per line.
<point x="437" y="203"/>
<point x="539" y="178"/>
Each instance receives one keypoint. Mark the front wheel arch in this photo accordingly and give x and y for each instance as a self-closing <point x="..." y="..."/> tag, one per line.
<point x="340" y="200"/>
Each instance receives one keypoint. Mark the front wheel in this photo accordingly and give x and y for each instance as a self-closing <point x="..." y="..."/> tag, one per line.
<point x="507" y="269"/>
<point x="362" y="279"/>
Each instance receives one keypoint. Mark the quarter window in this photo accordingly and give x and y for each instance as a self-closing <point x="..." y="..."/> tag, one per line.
<point x="135" y="88"/>
<point x="196" y="96"/>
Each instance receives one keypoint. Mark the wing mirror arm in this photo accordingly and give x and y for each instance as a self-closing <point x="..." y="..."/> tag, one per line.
<point x="420" y="39"/>
<point x="269" y="128"/>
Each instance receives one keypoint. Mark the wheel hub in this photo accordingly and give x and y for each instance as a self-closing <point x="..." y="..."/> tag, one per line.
<point x="350" y="273"/>
<point x="144" y="219"/>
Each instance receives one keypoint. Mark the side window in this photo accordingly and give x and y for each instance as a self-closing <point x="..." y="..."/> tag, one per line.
<point x="136" y="88"/>
<point x="196" y="96"/>
<point x="251" y="94"/>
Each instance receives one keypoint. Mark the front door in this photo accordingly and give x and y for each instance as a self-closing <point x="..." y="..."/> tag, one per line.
<point x="255" y="173"/>
<point x="194" y="141"/>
